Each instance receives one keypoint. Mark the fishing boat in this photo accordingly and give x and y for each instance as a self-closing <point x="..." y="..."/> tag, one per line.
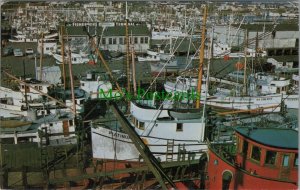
<point x="186" y="86"/>
<point x="151" y="56"/>
<point x="76" y="58"/>
<point x="22" y="38"/>
<point x="97" y="85"/>
<point x="268" y="103"/>
<point x="152" y="125"/>
<point x="167" y="34"/>
<point x="259" y="157"/>
<point x="58" y="127"/>
<point x="169" y="67"/>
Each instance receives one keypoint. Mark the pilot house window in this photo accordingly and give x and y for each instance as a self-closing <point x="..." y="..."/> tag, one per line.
<point x="179" y="127"/>
<point x="270" y="157"/>
<point x="285" y="160"/>
<point x="296" y="160"/>
<point x="245" y="147"/>
<point x="256" y="151"/>
<point x="141" y="125"/>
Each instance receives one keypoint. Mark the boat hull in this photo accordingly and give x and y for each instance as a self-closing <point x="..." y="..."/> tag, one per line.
<point x="114" y="145"/>
<point x="240" y="178"/>
<point x="263" y="103"/>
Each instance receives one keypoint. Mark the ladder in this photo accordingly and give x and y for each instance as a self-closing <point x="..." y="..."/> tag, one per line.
<point x="44" y="153"/>
<point x="170" y="150"/>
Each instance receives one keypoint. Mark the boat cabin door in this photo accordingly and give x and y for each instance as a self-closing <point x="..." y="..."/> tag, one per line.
<point x="285" y="167"/>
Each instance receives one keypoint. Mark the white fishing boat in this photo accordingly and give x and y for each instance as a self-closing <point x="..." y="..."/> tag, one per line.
<point x="187" y="87"/>
<point x="57" y="128"/>
<point x="250" y="53"/>
<point x="151" y="56"/>
<point x="75" y="58"/>
<point x="270" y="103"/>
<point x="167" y="34"/>
<point x="155" y="56"/>
<point x="169" y="67"/>
<point x="22" y="38"/>
<point x="152" y="125"/>
<point x="97" y="85"/>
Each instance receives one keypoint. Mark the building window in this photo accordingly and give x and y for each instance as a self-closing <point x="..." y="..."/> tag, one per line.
<point x="142" y="40"/>
<point x="70" y="122"/>
<point x="114" y="40"/>
<point x="136" y="40"/>
<point x="103" y="41"/>
<point x="179" y="127"/>
<point x="285" y="160"/>
<point x="296" y="160"/>
<point x="146" y="40"/>
<point x="256" y="151"/>
<point x="270" y="157"/>
<point x="109" y="40"/>
<point x="51" y="124"/>
<point x="121" y="40"/>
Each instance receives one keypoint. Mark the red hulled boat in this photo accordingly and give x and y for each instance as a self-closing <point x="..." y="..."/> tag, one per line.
<point x="265" y="158"/>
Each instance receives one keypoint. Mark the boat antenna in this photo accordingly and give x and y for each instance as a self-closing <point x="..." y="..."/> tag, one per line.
<point x="63" y="56"/>
<point x="71" y="75"/>
<point x="201" y="56"/>
<point x="41" y="56"/>
<point x="207" y="81"/>
<point x="126" y="11"/>
<point x="245" y="63"/>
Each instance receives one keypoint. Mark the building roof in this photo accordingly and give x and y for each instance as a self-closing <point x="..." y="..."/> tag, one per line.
<point x="273" y="137"/>
<point x="83" y="31"/>
<point x="135" y="30"/>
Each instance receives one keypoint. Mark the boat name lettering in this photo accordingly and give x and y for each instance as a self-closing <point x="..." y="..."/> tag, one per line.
<point x="116" y="134"/>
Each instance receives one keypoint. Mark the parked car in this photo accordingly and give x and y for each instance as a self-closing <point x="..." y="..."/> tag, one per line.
<point x="8" y="51"/>
<point x="29" y="51"/>
<point x="18" y="52"/>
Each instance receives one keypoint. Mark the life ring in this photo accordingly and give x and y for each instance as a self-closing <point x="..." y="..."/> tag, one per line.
<point x="226" y="57"/>
<point x="239" y="66"/>
<point x="91" y="62"/>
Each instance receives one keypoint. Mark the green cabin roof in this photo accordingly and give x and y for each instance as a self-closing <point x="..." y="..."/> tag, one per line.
<point x="273" y="137"/>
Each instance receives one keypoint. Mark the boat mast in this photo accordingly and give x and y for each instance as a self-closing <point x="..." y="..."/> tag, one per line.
<point x="127" y="52"/>
<point x="71" y="78"/>
<point x="245" y="63"/>
<point x="210" y="55"/>
<point x="24" y="76"/>
<point x="63" y="56"/>
<point x="133" y="67"/>
<point x="41" y="56"/>
<point x="201" y="56"/>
